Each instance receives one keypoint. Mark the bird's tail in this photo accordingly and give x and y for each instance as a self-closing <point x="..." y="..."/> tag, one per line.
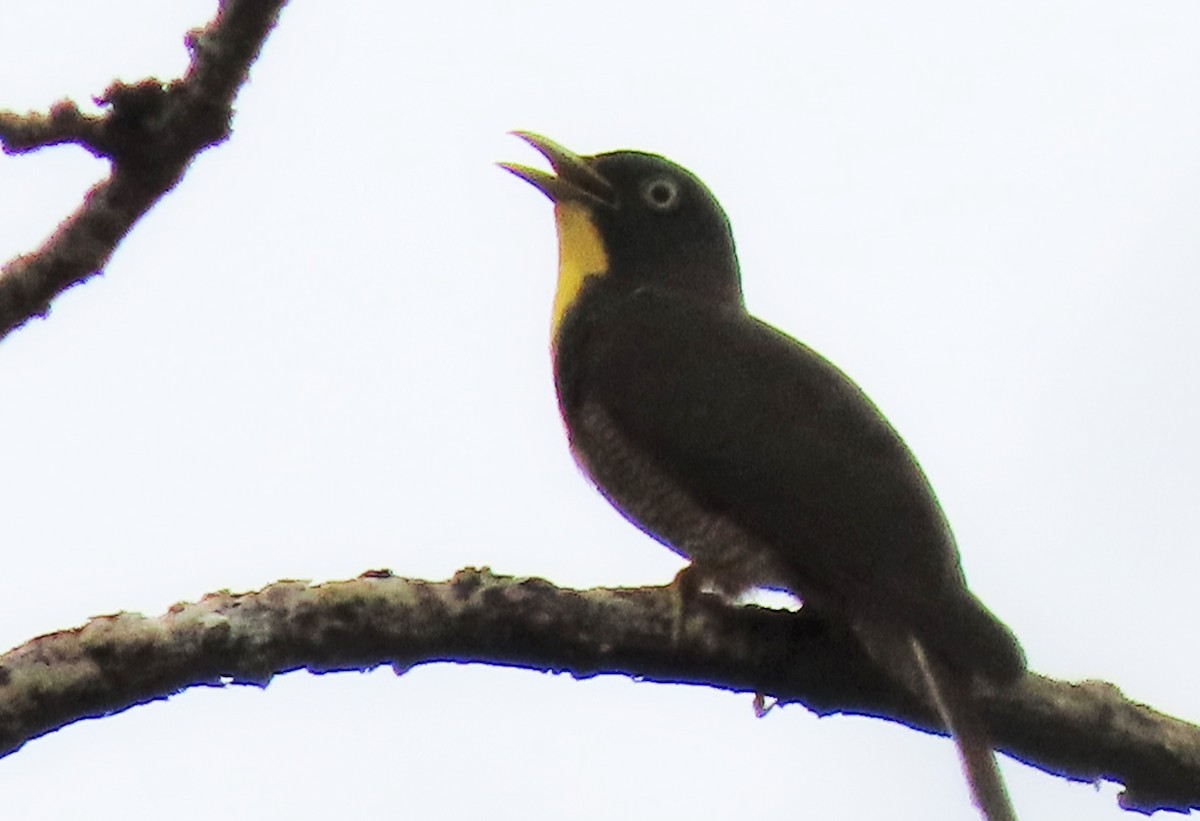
<point x="950" y="693"/>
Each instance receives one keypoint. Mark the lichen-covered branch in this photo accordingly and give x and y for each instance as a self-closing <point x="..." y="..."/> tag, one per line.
<point x="1085" y="731"/>
<point x="150" y="133"/>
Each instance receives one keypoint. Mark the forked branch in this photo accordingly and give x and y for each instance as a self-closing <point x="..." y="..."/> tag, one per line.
<point x="149" y="132"/>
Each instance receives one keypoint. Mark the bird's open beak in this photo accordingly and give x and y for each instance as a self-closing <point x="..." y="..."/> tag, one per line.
<point x="576" y="181"/>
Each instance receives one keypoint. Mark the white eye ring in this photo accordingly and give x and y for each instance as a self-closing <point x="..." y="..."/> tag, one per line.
<point x="661" y="193"/>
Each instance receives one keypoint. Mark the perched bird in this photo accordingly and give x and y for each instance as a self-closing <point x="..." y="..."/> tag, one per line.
<point x="742" y="449"/>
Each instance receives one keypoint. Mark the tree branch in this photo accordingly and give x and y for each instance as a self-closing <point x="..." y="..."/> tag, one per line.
<point x="1082" y="732"/>
<point x="150" y="133"/>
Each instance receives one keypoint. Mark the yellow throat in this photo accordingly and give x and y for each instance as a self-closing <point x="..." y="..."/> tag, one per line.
<point x="580" y="255"/>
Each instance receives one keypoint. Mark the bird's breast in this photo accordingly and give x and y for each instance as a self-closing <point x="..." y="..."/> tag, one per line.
<point x="725" y="555"/>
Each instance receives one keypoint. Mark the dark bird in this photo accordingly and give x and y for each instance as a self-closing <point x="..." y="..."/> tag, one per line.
<point x="741" y="448"/>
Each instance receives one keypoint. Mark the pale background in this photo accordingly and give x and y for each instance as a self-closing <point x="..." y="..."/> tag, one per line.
<point x="327" y="352"/>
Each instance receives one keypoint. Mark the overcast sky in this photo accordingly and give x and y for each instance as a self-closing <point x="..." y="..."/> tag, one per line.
<point x="327" y="351"/>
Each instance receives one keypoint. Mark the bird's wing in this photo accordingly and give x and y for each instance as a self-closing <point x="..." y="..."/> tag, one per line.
<point x="759" y="428"/>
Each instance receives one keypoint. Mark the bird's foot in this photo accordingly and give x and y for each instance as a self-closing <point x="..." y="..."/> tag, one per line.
<point x="761" y="708"/>
<point x="686" y="586"/>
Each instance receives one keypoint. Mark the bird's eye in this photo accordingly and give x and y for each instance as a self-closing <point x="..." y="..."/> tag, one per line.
<point x="661" y="194"/>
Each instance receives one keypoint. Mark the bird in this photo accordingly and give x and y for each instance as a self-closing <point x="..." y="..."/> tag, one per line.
<point x="741" y="448"/>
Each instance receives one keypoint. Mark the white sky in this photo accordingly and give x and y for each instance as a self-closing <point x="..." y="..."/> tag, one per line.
<point x="327" y="352"/>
